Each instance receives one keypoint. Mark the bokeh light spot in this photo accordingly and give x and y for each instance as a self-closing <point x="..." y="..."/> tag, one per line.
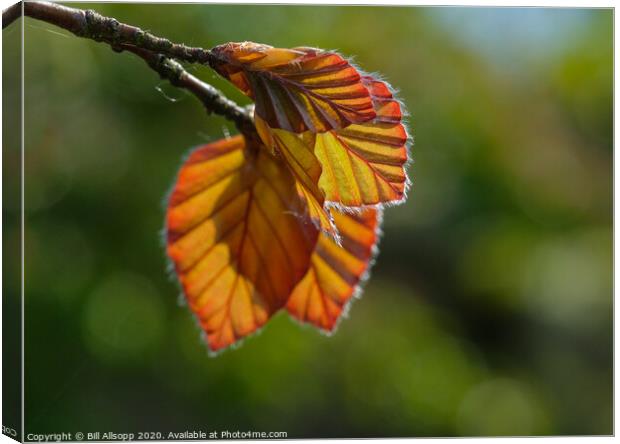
<point x="123" y="319"/>
<point x="501" y="407"/>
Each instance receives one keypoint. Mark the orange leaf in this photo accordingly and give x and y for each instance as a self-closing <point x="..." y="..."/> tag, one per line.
<point x="335" y="272"/>
<point x="235" y="238"/>
<point x="296" y="151"/>
<point x="363" y="164"/>
<point x="297" y="89"/>
<point x="360" y="165"/>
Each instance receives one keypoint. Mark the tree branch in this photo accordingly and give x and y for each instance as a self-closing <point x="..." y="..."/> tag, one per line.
<point x="156" y="51"/>
<point x="94" y="26"/>
<point x="212" y="99"/>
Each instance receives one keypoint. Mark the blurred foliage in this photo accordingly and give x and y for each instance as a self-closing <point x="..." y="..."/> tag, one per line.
<point x="11" y="219"/>
<point x="489" y="309"/>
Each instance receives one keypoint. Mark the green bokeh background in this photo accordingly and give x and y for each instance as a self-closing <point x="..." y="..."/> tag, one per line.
<point x="489" y="310"/>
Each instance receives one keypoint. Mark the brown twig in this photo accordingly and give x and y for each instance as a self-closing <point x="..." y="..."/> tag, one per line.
<point x="212" y="99"/>
<point x="156" y="51"/>
<point x="94" y="26"/>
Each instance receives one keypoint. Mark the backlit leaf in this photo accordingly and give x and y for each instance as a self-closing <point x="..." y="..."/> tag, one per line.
<point x="236" y="237"/>
<point x="363" y="164"/>
<point x="300" y="89"/>
<point x="360" y="165"/>
<point x="335" y="273"/>
<point x="296" y="151"/>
